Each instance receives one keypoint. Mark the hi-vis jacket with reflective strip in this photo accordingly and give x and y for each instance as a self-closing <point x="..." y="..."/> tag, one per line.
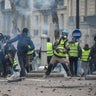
<point x="15" y="62"/>
<point x="49" y="49"/>
<point x="73" y="49"/>
<point x="61" y="48"/>
<point x="30" y="52"/>
<point x="85" y="54"/>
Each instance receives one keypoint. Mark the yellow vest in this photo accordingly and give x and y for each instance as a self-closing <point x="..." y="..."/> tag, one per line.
<point x="49" y="49"/>
<point x="31" y="51"/>
<point x="15" y="62"/>
<point x="61" y="47"/>
<point x="85" y="55"/>
<point x="73" y="49"/>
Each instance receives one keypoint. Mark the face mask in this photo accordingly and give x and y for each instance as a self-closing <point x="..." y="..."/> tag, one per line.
<point x="64" y="37"/>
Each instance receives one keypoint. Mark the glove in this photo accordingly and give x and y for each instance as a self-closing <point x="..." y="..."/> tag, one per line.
<point x="57" y="50"/>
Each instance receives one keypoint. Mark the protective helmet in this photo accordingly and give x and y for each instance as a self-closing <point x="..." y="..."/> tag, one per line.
<point x="65" y="32"/>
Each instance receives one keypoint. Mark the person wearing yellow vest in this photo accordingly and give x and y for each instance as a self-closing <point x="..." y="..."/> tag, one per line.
<point x="29" y="57"/>
<point x="49" y="50"/>
<point x="85" y="60"/>
<point x="74" y="54"/>
<point x="61" y="48"/>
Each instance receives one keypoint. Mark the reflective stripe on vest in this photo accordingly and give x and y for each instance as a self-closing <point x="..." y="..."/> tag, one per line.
<point x="49" y="49"/>
<point x="85" y="54"/>
<point x="15" y="62"/>
<point x="61" y="47"/>
<point x="30" y="52"/>
<point x="74" y="49"/>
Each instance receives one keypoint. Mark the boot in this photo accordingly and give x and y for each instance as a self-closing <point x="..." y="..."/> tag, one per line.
<point x="67" y="69"/>
<point x="47" y="73"/>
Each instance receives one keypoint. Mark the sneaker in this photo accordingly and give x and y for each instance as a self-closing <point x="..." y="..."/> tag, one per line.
<point x="13" y="77"/>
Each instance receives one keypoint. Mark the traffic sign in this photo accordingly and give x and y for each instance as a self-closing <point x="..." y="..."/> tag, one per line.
<point x="77" y="34"/>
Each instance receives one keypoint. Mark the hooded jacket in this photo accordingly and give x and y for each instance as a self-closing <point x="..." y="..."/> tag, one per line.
<point x="27" y="40"/>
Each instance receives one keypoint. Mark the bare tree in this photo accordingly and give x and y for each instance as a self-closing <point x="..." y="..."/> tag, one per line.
<point x="14" y="21"/>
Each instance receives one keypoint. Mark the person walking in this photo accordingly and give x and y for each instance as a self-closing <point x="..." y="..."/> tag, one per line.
<point x="22" y="48"/>
<point x="85" y="60"/>
<point x="92" y="63"/>
<point x="49" y="50"/>
<point x="60" y="55"/>
<point x="74" y="54"/>
<point x="2" y="58"/>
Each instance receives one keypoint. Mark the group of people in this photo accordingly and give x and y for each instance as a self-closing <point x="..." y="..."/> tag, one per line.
<point x="25" y="51"/>
<point x="69" y="54"/>
<point x="62" y="51"/>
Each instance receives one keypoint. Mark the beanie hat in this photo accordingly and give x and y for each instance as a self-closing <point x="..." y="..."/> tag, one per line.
<point x="25" y="30"/>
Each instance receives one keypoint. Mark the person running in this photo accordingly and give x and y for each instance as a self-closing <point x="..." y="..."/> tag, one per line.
<point x="60" y="55"/>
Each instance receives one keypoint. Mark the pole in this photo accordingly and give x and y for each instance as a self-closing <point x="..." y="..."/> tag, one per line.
<point x="77" y="14"/>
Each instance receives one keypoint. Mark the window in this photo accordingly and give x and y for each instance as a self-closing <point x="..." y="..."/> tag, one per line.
<point x="62" y="21"/>
<point x="36" y="32"/>
<point x="45" y="19"/>
<point x="36" y="22"/>
<point x="61" y="2"/>
<point x="45" y="26"/>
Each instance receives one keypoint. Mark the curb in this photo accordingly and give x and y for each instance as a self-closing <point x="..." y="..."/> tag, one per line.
<point x="42" y="74"/>
<point x="90" y="77"/>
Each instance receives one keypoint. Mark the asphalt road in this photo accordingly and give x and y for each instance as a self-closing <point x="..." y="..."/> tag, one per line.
<point x="57" y="86"/>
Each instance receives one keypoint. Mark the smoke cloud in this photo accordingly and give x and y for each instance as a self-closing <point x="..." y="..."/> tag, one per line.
<point x="43" y="4"/>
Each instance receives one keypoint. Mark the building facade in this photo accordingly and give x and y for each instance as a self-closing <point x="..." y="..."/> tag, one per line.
<point x="87" y="11"/>
<point x="37" y="16"/>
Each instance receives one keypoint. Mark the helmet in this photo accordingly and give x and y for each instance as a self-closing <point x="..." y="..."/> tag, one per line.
<point x="65" y="32"/>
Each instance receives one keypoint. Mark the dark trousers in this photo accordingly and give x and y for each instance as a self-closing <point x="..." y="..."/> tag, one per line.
<point x="73" y="65"/>
<point x="48" y="59"/>
<point x="92" y="65"/>
<point x="22" y="61"/>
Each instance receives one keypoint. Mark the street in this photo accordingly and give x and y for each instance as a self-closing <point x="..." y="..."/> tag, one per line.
<point x="53" y="86"/>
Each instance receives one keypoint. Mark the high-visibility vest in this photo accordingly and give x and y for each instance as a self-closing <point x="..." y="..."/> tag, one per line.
<point x="85" y="55"/>
<point x="61" y="46"/>
<point x="73" y="49"/>
<point x="49" y="49"/>
<point x="30" y="52"/>
<point x="15" y="62"/>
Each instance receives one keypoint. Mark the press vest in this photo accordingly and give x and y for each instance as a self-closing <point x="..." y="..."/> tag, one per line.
<point x="85" y="54"/>
<point x="61" y="46"/>
<point x="74" y="49"/>
<point x="49" y="49"/>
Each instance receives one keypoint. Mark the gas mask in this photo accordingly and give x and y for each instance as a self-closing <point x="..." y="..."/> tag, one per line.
<point x="64" y="37"/>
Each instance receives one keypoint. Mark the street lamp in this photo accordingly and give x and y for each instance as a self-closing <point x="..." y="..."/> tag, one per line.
<point x="77" y="14"/>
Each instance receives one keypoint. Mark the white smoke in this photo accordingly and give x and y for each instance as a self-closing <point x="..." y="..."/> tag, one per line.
<point x="43" y="4"/>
